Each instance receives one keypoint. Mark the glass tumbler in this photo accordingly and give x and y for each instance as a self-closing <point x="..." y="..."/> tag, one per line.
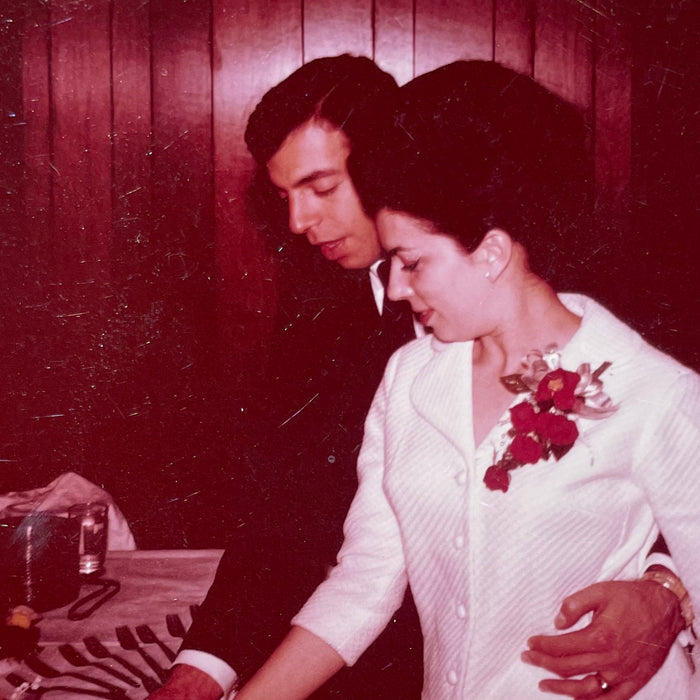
<point x="93" y="536"/>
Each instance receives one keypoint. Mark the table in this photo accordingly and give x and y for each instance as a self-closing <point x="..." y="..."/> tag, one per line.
<point x="153" y="584"/>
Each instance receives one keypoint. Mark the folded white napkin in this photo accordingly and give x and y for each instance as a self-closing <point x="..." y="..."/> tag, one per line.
<point x="62" y="493"/>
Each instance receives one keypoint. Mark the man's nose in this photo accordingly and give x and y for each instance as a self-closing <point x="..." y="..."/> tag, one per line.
<point x="303" y="215"/>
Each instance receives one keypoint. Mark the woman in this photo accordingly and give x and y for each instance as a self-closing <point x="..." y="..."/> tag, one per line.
<point x="533" y="445"/>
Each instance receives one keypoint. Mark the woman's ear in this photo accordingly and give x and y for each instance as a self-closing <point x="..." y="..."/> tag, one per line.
<point x="495" y="252"/>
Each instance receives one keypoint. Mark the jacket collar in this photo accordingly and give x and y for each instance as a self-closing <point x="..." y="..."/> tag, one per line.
<point x="441" y="392"/>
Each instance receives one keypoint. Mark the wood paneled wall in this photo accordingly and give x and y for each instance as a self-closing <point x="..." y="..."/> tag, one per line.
<point x="140" y="277"/>
<point x="136" y="110"/>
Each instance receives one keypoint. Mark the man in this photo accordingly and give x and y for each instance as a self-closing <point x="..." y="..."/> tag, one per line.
<point x="297" y="474"/>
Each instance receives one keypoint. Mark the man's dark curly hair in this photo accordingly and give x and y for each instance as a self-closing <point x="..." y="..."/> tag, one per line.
<point x="349" y="92"/>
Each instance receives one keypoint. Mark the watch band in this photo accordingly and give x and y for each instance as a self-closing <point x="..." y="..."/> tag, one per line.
<point x="669" y="580"/>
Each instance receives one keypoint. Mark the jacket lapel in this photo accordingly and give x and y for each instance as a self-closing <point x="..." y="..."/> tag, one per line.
<point x="442" y="394"/>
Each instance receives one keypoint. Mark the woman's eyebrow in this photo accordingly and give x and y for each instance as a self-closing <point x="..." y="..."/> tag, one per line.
<point x="395" y="251"/>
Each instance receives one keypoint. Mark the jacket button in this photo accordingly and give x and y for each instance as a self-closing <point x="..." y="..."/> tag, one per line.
<point x="461" y="611"/>
<point x="459" y="542"/>
<point x="452" y="678"/>
<point x="461" y="478"/>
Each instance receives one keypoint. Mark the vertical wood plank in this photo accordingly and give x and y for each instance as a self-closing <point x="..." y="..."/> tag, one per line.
<point x="12" y="16"/>
<point x="37" y="143"/>
<point x="393" y="38"/>
<point x="513" y="34"/>
<point x="613" y="116"/>
<point x="131" y="138"/>
<point x="80" y="62"/>
<point x="12" y="143"/>
<point x="563" y="60"/>
<point x="182" y="172"/>
<point x="17" y="260"/>
<point x="663" y="233"/>
<point x="335" y="28"/>
<point x="132" y="332"/>
<point x="176" y="362"/>
<point x="31" y="452"/>
<point x="447" y="31"/>
<point x="256" y="45"/>
<point x="63" y="393"/>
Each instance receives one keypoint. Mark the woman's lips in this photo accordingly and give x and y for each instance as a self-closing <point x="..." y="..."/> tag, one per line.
<point x="332" y="250"/>
<point x="424" y="317"/>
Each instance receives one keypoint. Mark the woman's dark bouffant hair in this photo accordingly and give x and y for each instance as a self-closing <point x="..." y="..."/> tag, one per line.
<point x="473" y="146"/>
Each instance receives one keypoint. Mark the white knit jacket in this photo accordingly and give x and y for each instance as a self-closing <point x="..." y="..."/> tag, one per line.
<point x="489" y="569"/>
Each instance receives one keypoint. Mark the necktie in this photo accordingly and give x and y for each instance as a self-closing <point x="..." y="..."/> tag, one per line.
<point x="397" y="317"/>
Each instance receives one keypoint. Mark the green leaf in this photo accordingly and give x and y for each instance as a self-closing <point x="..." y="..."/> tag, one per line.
<point x="515" y="384"/>
<point x="601" y="369"/>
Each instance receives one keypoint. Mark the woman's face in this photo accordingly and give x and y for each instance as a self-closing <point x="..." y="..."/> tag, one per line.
<point x="446" y="286"/>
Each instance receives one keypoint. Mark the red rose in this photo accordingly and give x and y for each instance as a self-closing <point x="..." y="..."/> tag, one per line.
<point x="558" y="386"/>
<point x="525" y="449"/>
<point x="559" y="430"/>
<point x="523" y="417"/>
<point x="497" y="479"/>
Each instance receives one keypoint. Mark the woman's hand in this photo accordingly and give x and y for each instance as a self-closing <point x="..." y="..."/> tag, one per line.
<point x="633" y="627"/>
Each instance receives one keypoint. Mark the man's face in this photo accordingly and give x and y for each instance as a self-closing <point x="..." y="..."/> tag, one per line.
<point x="309" y="171"/>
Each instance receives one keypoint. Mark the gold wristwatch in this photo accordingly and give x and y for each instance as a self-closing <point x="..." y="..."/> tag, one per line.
<point x="669" y="580"/>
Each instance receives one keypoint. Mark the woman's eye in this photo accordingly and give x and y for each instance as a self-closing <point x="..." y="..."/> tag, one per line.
<point x="410" y="266"/>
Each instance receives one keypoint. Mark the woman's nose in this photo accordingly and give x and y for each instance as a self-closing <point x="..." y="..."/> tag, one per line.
<point x="398" y="287"/>
<point x="303" y="215"/>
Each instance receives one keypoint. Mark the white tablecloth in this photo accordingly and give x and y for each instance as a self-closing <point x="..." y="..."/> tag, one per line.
<point x="153" y="584"/>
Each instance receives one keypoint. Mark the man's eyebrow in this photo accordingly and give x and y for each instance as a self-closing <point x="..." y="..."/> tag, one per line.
<point x="395" y="251"/>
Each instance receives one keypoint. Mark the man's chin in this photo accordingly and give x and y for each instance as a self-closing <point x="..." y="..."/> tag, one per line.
<point x="356" y="262"/>
<point x="347" y="263"/>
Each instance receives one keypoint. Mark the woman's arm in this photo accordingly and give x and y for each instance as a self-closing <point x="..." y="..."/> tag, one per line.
<point x="356" y="600"/>
<point x="301" y="663"/>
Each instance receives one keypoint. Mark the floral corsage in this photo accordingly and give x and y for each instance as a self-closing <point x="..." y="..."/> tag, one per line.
<point x="542" y="425"/>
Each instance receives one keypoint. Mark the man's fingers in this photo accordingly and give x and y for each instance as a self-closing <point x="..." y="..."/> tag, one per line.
<point x="578" y="604"/>
<point x="589" y="639"/>
<point x="588" y="688"/>
<point x="626" y="641"/>
<point x="567" y="666"/>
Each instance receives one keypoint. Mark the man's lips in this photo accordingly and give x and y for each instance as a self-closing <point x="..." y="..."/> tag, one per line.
<point x="332" y="250"/>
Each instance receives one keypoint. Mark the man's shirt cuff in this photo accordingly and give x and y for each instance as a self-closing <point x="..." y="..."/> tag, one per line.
<point x="213" y="666"/>
<point x="660" y="559"/>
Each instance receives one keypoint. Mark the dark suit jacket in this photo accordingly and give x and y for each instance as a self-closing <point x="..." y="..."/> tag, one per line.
<point x="295" y="475"/>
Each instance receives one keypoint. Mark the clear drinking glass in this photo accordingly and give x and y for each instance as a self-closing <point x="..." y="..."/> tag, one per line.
<point x="93" y="535"/>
